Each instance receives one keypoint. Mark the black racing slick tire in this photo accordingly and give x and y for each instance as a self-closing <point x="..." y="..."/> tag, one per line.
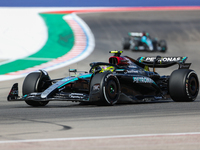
<point x="126" y="43"/>
<point x="35" y="82"/>
<point x="183" y="85"/>
<point x="163" y="45"/>
<point x="109" y="88"/>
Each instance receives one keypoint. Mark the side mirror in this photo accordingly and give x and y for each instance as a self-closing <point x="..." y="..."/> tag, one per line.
<point x="73" y="70"/>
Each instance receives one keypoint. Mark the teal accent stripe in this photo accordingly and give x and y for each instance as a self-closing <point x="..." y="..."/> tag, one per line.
<point x="75" y="79"/>
<point x="141" y="59"/>
<point x="68" y="82"/>
<point x="86" y="76"/>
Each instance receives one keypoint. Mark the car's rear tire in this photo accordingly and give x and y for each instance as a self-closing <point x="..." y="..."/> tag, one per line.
<point x="35" y="82"/>
<point x="126" y="43"/>
<point x="183" y="85"/>
<point x="109" y="88"/>
<point x="163" y="45"/>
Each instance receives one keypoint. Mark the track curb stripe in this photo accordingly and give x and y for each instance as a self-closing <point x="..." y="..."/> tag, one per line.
<point x="83" y="46"/>
<point x="121" y="9"/>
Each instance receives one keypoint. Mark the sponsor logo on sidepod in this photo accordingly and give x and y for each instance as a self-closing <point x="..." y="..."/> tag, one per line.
<point x="76" y="95"/>
<point x="142" y="80"/>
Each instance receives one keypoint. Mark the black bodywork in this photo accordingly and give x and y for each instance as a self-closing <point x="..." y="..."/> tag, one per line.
<point x="123" y="79"/>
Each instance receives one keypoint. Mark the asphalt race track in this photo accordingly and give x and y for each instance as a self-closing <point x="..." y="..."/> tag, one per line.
<point x="160" y="125"/>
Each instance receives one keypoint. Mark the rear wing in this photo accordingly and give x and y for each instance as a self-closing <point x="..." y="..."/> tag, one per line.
<point x="135" y="34"/>
<point x="163" y="62"/>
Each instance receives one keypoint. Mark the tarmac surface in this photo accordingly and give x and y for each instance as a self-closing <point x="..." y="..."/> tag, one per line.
<point x="162" y="125"/>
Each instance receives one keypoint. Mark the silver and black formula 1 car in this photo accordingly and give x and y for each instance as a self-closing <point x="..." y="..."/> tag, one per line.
<point x="123" y="79"/>
<point x="141" y="41"/>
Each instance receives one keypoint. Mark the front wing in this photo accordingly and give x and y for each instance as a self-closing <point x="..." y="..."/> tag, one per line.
<point x="79" y="97"/>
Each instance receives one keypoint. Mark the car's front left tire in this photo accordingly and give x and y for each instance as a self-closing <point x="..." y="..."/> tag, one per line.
<point x="109" y="88"/>
<point x="126" y="43"/>
<point x="35" y="82"/>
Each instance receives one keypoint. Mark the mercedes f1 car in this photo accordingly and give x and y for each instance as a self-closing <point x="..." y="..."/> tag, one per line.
<point x="123" y="79"/>
<point x="138" y="41"/>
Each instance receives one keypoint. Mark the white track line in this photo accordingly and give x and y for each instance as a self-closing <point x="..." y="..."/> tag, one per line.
<point x="101" y="137"/>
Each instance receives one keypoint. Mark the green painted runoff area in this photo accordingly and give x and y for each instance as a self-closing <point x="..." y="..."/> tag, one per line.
<point x="60" y="41"/>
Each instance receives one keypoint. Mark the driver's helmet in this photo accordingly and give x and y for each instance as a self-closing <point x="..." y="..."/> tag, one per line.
<point x="145" y="34"/>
